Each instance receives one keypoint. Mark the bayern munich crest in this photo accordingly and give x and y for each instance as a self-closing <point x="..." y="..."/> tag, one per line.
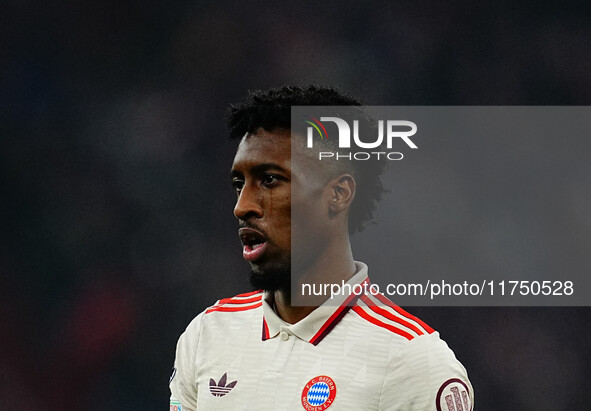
<point x="319" y="393"/>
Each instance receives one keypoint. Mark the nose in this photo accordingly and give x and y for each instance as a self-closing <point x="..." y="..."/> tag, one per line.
<point x="249" y="203"/>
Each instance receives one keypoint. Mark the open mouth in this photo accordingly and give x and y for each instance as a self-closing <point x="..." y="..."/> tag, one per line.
<point x="253" y="244"/>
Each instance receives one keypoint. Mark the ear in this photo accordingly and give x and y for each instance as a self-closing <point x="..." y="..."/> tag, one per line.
<point x="342" y="193"/>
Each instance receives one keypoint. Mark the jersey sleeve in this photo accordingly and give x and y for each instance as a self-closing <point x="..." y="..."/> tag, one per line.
<point x="183" y="386"/>
<point x="426" y="376"/>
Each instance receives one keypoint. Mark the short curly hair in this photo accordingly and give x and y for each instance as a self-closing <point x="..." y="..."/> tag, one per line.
<point x="271" y="109"/>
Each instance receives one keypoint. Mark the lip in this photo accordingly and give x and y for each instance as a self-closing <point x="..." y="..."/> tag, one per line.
<point x="254" y="244"/>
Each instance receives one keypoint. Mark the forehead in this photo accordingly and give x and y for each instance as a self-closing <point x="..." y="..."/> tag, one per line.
<point x="277" y="149"/>
<point x="264" y="147"/>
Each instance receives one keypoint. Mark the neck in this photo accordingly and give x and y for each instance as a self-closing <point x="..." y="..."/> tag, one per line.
<point x="287" y="312"/>
<point x="330" y="268"/>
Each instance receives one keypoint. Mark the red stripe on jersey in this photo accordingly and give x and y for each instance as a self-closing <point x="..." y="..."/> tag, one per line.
<point x="377" y="322"/>
<point x="233" y="309"/>
<point x="249" y="294"/>
<point x="235" y="300"/>
<point x="335" y="318"/>
<point x="265" y="330"/>
<point x="372" y="305"/>
<point x="404" y="313"/>
<point x="330" y="324"/>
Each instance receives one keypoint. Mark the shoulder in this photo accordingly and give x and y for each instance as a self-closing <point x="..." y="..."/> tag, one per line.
<point x="416" y="342"/>
<point x="382" y="315"/>
<point x="223" y="313"/>
<point x="238" y="303"/>
<point x="430" y="374"/>
<point x="420" y="364"/>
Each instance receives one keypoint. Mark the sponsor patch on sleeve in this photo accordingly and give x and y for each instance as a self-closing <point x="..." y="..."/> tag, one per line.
<point x="454" y="395"/>
<point x="175" y="405"/>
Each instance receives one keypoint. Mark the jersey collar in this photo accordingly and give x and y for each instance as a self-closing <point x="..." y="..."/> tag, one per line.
<point x="319" y="322"/>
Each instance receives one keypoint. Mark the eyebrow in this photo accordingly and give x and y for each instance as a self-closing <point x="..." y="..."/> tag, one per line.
<point x="260" y="168"/>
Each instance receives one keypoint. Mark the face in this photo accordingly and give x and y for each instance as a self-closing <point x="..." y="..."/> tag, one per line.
<point x="264" y="177"/>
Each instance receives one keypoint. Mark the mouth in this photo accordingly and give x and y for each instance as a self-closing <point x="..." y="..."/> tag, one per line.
<point x="254" y="244"/>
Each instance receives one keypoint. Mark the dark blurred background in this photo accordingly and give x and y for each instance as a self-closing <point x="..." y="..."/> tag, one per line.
<point x="116" y="213"/>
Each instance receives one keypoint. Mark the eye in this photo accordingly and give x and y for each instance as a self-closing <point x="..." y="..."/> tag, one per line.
<point x="237" y="183"/>
<point x="270" y="179"/>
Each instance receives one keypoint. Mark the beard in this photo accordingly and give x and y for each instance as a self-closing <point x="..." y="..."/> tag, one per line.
<point x="271" y="280"/>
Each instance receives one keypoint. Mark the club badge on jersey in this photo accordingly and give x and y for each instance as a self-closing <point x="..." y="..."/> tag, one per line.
<point x="319" y="393"/>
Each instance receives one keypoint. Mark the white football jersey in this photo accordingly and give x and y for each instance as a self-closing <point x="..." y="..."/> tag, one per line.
<point x="363" y="353"/>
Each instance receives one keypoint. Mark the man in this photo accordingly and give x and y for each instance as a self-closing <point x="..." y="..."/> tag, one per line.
<point x="258" y="351"/>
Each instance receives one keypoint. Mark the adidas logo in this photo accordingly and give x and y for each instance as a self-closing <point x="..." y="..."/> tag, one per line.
<point x="221" y="388"/>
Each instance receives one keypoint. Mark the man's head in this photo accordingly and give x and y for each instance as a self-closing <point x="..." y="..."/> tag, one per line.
<point x="266" y="178"/>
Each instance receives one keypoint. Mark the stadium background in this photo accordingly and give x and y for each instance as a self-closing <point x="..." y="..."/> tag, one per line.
<point x="116" y="224"/>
